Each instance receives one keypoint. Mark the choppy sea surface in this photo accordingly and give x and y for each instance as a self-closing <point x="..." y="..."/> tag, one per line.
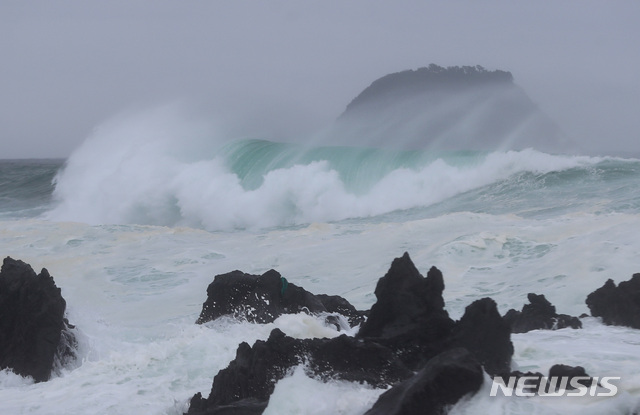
<point x="136" y="223"/>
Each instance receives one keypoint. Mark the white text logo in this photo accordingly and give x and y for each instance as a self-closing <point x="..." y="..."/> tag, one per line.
<point x="555" y="386"/>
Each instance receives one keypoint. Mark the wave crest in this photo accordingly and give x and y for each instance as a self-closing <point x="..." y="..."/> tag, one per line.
<point x="154" y="169"/>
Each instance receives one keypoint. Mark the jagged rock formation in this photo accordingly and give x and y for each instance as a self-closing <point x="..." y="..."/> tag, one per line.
<point x="409" y="314"/>
<point x="407" y="330"/>
<point x="247" y="383"/>
<point x="482" y="331"/>
<point x="34" y="333"/>
<point x="409" y="317"/>
<point x="540" y="314"/>
<point x="619" y="305"/>
<point x="454" y="108"/>
<point x="570" y="372"/>
<point x="442" y="382"/>
<point x="263" y="298"/>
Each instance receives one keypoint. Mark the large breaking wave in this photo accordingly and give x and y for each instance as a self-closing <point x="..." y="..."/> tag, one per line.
<point x="155" y="168"/>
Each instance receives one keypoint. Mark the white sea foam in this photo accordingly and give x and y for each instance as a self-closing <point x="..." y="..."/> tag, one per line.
<point x="300" y="394"/>
<point x="135" y="292"/>
<point x="150" y="170"/>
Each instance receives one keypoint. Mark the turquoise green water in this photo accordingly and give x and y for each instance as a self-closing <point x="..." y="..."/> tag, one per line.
<point x="358" y="168"/>
<point x="292" y="185"/>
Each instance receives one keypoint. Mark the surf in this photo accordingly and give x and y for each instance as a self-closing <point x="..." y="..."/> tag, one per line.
<point x="153" y="169"/>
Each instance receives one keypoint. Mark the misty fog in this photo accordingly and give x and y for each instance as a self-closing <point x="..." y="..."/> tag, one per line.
<point x="287" y="70"/>
<point x="454" y="108"/>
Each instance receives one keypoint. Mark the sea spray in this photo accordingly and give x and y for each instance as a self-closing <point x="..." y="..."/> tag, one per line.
<point x="144" y="172"/>
<point x="135" y="291"/>
<point x="531" y="222"/>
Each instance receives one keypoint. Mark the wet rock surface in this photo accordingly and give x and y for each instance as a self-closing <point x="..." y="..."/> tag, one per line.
<point x="408" y="341"/>
<point x="539" y="314"/>
<point x="35" y="336"/>
<point x="617" y="305"/>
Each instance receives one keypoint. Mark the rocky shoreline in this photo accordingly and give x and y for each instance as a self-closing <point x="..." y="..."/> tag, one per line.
<point x="406" y="342"/>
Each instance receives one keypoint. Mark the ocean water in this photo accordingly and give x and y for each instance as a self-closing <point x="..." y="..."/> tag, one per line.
<point x="137" y="221"/>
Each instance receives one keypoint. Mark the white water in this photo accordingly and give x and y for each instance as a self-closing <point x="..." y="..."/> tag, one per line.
<point x="148" y="170"/>
<point x="135" y="291"/>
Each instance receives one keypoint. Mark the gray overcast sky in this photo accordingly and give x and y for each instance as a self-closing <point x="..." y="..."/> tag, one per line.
<point x="278" y="69"/>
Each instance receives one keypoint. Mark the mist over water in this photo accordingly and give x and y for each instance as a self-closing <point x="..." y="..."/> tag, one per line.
<point x="26" y="186"/>
<point x="155" y="168"/>
<point x="141" y="217"/>
<point x="443" y="109"/>
<point x="151" y="205"/>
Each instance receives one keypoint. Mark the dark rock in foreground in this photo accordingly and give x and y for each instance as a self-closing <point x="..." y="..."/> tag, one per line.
<point x="34" y="333"/>
<point x="407" y="330"/>
<point x="409" y="318"/>
<point x="247" y="383"/>
<point x="338" y="305"/>
<point x="263" y="298"/>
<point x="409" y="315"/>
<point x="570" y="372"/>
<point x="483" y="332"/>
<point x="442" y="382"/>
<point x="540" y="314"/>
<point x="619" y="305"/>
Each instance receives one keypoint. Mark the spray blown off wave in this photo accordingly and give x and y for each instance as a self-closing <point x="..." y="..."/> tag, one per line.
<point x="152" y="169"/>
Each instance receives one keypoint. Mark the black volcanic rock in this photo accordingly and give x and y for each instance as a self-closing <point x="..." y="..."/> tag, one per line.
<point x="250" y="379"/>
<point x="34" y="333"/>
<point x="409" y="315"/>
<point x="409" y="318"/>
<point x="407" y="331"/>
<point x="442" y="382"/>
<point x="247" y="383"/>
<point x="263" y="298"/>
<point x="570" y="372"/>
<point x="483" y="332"/>
<point x="619" y="305"/>
<point x="338" y="305"/>
<point x="540" y="314"/>
<point x="454" y="108"/>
